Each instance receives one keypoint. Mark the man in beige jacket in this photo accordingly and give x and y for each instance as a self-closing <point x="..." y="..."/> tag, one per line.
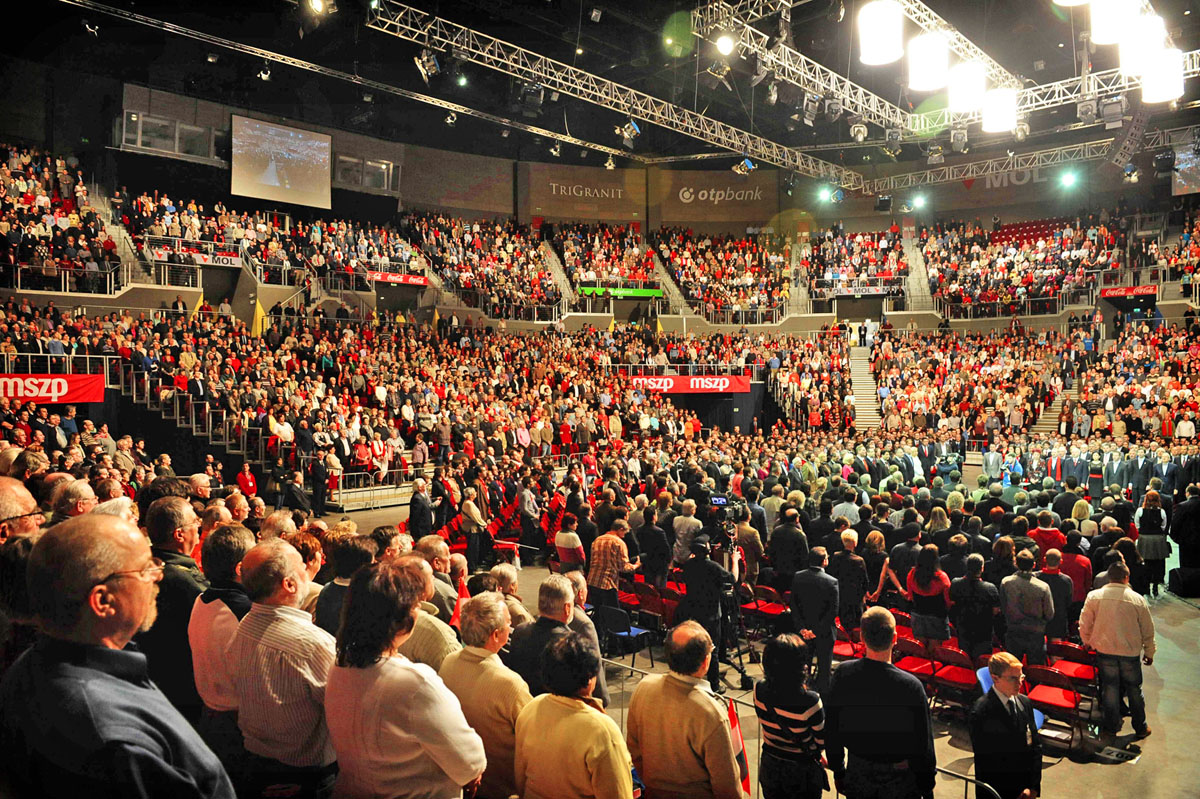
<point x="678" y="732"/>
<point x="492" y="695"/>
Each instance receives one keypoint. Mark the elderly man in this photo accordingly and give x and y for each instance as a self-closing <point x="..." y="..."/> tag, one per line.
<point x="678" y="731"/>
<point x="174" y="531"/>
<point x="81" y="716"/>
<point x="432" y="639"/>
<point x="556" y="601"/>
<point x="507" y="584"/>
<point x="582" y="624"/>
<point x="19" y="512"/>
<point x="420" y="510"/>
<point x="280" y="662"/>
<point x="71" y="498"/>
<point x="491" y="694"/>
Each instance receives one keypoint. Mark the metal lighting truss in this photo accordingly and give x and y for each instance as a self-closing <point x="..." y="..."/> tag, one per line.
<point x="967" y="50"/>
<point x="1107" y="83"/>
<point x="1159" y="139"/>
<point x="366" y="83"/>
<point x="1089" y="151"/>
<point x="1148" y="8"/>
<point x="792" y="66"/>
<point x="415" y="25"/>
<point x="714" y="16"/>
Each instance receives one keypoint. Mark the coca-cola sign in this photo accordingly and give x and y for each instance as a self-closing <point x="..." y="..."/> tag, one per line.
<point x="1130" y="291"/>
<point x="703" y="384"/>
<point x="399" y="279"/>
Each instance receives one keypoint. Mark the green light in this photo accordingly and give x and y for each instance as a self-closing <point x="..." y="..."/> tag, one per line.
<point x="824" y="194"/>
<point x="1068" y="179"/>
<point x="462" y="80"/>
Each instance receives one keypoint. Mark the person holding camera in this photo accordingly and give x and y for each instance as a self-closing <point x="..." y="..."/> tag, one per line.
<point x="706" y="582"/>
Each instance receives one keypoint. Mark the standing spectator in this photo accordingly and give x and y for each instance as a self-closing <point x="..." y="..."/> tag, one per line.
<point x="556" y="602"/>
<point x="974" y="606"/>
<point x="1116" y="623"/>
<point x="81" y="714"/>
<point x="491" y="694"/>
<point x="212" y="626"/>
<point x="655" y="550"/>
<point x="609" y="558"/>
<point x="751" y="542"/>
<point x="929" y="588"/>
<point x="678" y="733"/>
<point x="506" y="583"/>
<point x="432" y="640"/>
<point x="581" y="623"/>
<point x="420" y="511"/>
<point x="280" y="664"/>
<point x="1061" y="590"/>
<point x="1152" y="544"/>
<point x="814" y="606"/>
<point x="792" y="722"/>
<point x="1004" y="736"/>
<point x="396" y="728"/>
<point x="866" y="698"/>
<point x="705" y="582"/>
<point x="850" y="570"/>
<point x="1028" y="608"/>
<point x="787" y="550"/>
<point x="246" y="481"/>
<point x="349" y="555"/>
<point x="686" y="526"/>
<point x="531" y="516"/>
<point x="567" y="748"/>
<point x="174" y="531"/>
<point x="1185" y="530"/>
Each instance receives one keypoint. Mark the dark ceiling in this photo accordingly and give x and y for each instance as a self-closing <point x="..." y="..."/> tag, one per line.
<point x="1032" y="38"/>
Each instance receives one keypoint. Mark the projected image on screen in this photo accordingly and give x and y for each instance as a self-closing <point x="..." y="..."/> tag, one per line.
<point x="275" y="162"/>
<point x="1186" y="178"/>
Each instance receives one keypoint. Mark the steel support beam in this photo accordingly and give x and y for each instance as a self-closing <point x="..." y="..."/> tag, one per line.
<point x="1088" y="151"/>
<point x="714" y="16"/>
<point x="929" y="21"/>
<point x="790" y="65"/>
<point x="415" y="25"/>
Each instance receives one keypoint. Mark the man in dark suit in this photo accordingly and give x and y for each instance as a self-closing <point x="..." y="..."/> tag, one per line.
<point x="420" y="512"/>
<point x="814" y="608"/>
<point x="1136" y="477"/>
<point x="706" y="582"/>
<point x="320" y="479"/>
<point x="294" y="496"/>
<point x="198" y="387"/>
<point x="1185" y="529"/>
<point x="1168" y="472"/>
<point x="1008" y="755"/>
<point x="787" y="550"/>
<point x="556" y="602"/>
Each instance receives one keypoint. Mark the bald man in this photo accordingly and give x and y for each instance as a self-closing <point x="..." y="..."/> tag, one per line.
<point x="81" y="716"/>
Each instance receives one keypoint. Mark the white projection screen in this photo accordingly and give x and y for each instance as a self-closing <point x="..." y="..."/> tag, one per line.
<point x="275" y="162"/>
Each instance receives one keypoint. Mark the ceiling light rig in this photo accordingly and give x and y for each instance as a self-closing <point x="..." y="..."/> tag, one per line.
<point x="628" y="132"/>
<point x="880" y="33"/>
<point x="610" y="163"/>
<point x="451" y="118"/>
<point x="717" y="73"/>
<point x="556" y="150"/>
<point x="427" y="64"/>
<point x="744" y="167"/>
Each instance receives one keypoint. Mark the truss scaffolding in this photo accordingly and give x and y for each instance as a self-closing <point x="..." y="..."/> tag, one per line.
<point x="929" y="21"/>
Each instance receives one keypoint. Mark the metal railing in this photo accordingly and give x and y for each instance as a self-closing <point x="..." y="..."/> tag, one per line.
<point x="156" y="248"/>
<point x="165" y="273"/>
<point x="616" y="281"/>
<point x="504" y="309"/>
<point x="744" y="316"/>
<point x="68" y="363"/>
<point x="1037" y="306"/>
<point x="68" y="281"/>
<point x="754" y="372"/>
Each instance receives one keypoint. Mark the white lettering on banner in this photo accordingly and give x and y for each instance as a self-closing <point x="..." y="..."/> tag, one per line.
<point x="1018" y="177"/>
<point x="717" y="196"/>
<point x="579" y="190"/>
<point x="51" y="387"/>
<point x="709" y="383"/>
<point x="655" y="383"/>
<point x="680" y="384"/>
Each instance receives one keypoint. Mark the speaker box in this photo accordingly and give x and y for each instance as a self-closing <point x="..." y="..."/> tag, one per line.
<point x="1184" y="582"/>
<point x="883" y="204"/>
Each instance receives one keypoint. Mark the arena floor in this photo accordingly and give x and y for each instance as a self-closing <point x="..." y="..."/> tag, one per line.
<point x="1167" y="768"/>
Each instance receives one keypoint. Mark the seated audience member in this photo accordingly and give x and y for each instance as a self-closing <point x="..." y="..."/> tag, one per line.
<point x="1004" y="736"/>
<point x="349" y="555"/>
<point x="567" y="748"/>
<point x="678" y="733"/>
<point x="81" y="716"/>
<point x="556" y="602"/>
<point x="280" y="661"/>
<point x="792" y="722"/>
<point x="211" y="628"/>
<point x="431" y="639"/>
<point x="396" y="728"/>
<point x="492" y="695"/>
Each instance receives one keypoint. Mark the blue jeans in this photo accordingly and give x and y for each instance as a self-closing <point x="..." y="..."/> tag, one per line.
<point x="1121" y="675"/>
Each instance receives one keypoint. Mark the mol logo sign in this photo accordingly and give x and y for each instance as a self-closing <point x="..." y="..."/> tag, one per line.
<point x="688" y="195"/>
<point x="707" y="384"/>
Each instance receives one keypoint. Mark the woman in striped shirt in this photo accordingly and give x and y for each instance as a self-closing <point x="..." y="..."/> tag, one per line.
<point x="792" y="721"/>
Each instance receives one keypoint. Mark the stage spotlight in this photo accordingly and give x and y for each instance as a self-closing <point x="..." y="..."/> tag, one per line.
<point x="833" y="109"/>
<point x="212" y="58"/>
<point x="858" y="131"/>
<point x="505" y="133"/>
<point x="918" y="201"/>
<point x="427" y="64"/>
<point x="936" y="155"/>
<point x="824" y="194"/>
<point x="451" y="118"/>
<point x="958" y="140"/>
<point x="1087" y="110"/>
<point x="716" y="74"/>
<point x="368" y="97"/>
<point x="1131" y="173"/>
<point x="317" y="6"/>
<point x="628" y="132"/>
<point x="93" y="30"/>
<point x="744" y="167"/>
<point x="265" y="72"/>
<point x="556" y="150"/>
<point x="1068" y="179"/>
<point x="1021" y="132"/>
<point x="812" y="107"/>
<point x="725" y="44"/>
<point x="772" y="94"/>
<point x="610" y="163"/>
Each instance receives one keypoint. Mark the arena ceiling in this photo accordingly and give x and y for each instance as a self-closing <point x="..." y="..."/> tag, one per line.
<point x="624" y="42"/>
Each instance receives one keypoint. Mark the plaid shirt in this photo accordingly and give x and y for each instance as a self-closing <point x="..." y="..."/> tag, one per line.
<point x="610" y="556"/>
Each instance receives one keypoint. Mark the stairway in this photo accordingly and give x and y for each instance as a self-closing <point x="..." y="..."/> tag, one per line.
<point x="862" y="386"/>
<point x="917" y="283"/>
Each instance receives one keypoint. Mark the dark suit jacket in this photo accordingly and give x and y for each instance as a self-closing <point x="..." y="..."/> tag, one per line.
<point x="296" y="498"/>
<point x="420" y="516"/>
<point x="815" y="603"/>
<point x="1008" y="755"/>
<point x="1135" y="475"/>
<point x="525" y="650"/>
<point x="1185" y="531"/>
<point x="788" y="549"/>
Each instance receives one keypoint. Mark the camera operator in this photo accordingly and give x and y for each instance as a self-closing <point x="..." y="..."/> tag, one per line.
<point x="706" y="582"/>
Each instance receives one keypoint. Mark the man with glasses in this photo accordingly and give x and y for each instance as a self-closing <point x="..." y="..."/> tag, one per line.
<point x="1008" y="754"/>
<point x="19" y="512"/>
<point x="81" y="716"/>
<point x="174" y="530"/>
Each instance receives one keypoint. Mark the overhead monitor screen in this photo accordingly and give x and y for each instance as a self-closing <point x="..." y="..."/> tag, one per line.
<point x="276" y="162"/>
<point x="1186" y="178"/>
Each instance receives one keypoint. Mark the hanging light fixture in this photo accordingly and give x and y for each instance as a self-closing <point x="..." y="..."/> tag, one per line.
<point x="1000" y="110"/>
<point x="967" y="82"/>
<point x="1110" y="20"/>
<point x="880" y="32"/>
<point x="1144" y="36"/>
<point x="928" y="62"/>
<point x="1162" y="80"/>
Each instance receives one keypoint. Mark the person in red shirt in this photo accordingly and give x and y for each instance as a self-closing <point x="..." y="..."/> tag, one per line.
<point x="246" y="481"/>
<point x="1047" y="536"/>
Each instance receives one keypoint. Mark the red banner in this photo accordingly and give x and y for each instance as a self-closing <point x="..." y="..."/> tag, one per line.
<point x="704" y="384"/>
<point x="1130" y="291"/>
<point x="398" y="279"/>
<point x="52" y="388"/>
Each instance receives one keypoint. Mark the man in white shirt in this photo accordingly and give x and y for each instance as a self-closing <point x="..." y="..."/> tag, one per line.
<point x="212" y="626"/>
<point x="280" y="662"/>
<point x="1116" y="623"/>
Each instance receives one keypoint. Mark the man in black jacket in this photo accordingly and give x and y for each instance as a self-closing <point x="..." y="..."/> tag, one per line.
<point x="556" y="600"/>
<point x="1185" y="529"/>
<point x="320" y="479"/>
<point x="1004" y="736"/>
<point x="814" y="608"/>
<point x="420" y="512"/>
<point x="706" y="582"/>
<point x="787" y="551"/>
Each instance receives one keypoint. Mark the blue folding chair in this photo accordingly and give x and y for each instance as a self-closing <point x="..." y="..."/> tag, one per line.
<point x="615" y="624"/>
<point x="986" y="682"/>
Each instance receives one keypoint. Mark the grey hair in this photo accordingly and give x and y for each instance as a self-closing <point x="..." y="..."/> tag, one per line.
<point x="554" y="592"/>
<point x="121" y="507"/>
<point x="505" y="574"/>
<point x="482" y="615"/>
<point x="273" y="568"/>
<point x="68" y="492"/>
<point x="278" y="523"/>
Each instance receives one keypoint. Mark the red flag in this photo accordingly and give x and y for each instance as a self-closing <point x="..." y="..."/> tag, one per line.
<point x="463" y="594"/>
<point x="739" y="747"/>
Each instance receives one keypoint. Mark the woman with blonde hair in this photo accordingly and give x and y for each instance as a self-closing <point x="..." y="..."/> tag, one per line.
<point x="938" y="520"/>
<point x="1081" y="511"/>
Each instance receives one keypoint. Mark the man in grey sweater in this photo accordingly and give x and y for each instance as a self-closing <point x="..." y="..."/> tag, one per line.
<point x="1028" y="607"/>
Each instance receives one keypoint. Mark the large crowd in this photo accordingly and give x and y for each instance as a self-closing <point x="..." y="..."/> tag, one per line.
<point x="840" y="263"/>
<point x="604" y="255"/>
